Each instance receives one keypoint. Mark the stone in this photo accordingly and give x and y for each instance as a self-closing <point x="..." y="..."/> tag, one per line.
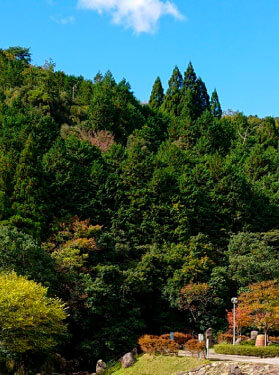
<point x="254" y="335"/>
<point x="128" y="360"/>
<point x="235" y="370"/>
<point x="238" y="341"/>
<point x="100" y="367"/>
<point x="134" y="351"/>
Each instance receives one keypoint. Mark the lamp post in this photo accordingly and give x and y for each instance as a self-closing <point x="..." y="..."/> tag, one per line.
<point x="234" y="301"/>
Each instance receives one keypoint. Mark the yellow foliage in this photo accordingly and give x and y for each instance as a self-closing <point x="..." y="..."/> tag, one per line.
<point x="29" y="320"/>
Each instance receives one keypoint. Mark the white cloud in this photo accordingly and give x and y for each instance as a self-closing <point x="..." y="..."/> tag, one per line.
<point x="64" y="20"/>
<point x="140" y="15"/>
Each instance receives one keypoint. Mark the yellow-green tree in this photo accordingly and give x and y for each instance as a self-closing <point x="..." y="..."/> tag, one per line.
<point x="29" y="320"/>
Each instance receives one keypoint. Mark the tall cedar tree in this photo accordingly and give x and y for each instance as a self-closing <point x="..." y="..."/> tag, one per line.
<point x="215" y="105"/>
<point x="195" y="99"/>
<point x="28" y="195"/>
<point x="173" y="96"/>
<point x="157" y="95"/>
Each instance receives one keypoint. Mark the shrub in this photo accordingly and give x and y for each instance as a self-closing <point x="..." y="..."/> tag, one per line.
<point x="248" y="342"/>
<point x="179" y="337"/>
<point x="273" y="339"/>
<point x="154" y="344"/>
<point x="196" y="347"/>
<point x="247" y="350"/>
<point x="147" y="343"/>
<point x="225" y="338"/>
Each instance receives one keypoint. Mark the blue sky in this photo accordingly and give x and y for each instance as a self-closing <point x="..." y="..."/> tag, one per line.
<point x="233" y="45"/>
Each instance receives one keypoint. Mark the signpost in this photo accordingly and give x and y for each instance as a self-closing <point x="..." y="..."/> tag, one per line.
<point x="207" y="348"/>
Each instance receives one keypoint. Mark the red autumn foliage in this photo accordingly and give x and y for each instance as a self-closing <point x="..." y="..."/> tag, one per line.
<point x="242" y="318"/>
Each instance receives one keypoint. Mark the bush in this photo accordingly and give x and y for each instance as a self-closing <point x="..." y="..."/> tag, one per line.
<point x="196" y="347"/>
<point x="273" y="339"/>
<point x="179" y="337"/>
<point x="249" y="343"/>
<point x="247" y="350"/>
<point x="157" y="345"/>
<point x="225" y="338"/>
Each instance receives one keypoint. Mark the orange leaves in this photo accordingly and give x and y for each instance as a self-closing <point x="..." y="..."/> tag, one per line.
<point x="242" y="318"/>
<point x="157" y="344"/>
<point x="179" y="337"/>
<point x="194" y="346"/>
<point x="262" y="300"/>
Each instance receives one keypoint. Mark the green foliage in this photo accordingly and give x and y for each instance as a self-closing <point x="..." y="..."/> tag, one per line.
<point x="157" y="95"/>
<point x="20" y="253"/>
<point x="247" y="350"/>
<point x="251" y="259"/>
<point x="183" y="195"/>
<point x="195" y="99"/>
<point x="215" y="105"/>
<point x="29" y="320"/>
<point x="172" y="99"/>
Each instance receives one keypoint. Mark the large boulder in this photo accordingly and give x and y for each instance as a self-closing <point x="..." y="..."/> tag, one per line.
<point x="100" y="367"/>
<point x="128" y="360"/>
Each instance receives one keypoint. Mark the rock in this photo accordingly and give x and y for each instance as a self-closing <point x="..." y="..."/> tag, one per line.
<point x="254" y="335"/>
<point x="235" y="370"/>
<point x="100" y="367"/>
<point x="181" y="373"/>
<point x="128" y="360"/>
<point x="238" y="341"/>
<point x="134" y="351"/>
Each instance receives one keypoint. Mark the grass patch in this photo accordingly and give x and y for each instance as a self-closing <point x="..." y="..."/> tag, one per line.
<point x="158" y="365"/>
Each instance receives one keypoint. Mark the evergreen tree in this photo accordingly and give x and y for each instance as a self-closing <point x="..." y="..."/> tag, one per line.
<point x="28" y="196"/>
<point x="190" y="79"/>
<point x="215" y="105"/>
<point x="203" y="97"/>
<point x="173" y="96"/>
<point x="157" y="95"/>
<point x="195" y="99"/>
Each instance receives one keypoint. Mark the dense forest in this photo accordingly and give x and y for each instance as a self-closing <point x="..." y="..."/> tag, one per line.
<point x="117" y="206"/>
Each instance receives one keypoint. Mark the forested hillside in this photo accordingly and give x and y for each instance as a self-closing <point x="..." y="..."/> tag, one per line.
<point x="116" y="206"/>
